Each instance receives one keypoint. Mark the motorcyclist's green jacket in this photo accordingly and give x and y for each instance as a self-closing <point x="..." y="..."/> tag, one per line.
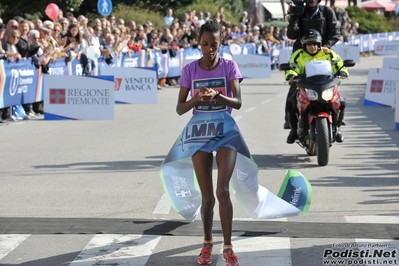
<point x="300" y="57"/>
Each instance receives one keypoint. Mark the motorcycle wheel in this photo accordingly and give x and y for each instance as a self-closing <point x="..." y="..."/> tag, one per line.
<point x="322" y="141"/>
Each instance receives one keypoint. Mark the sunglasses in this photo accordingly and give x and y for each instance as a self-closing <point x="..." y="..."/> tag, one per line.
<point x="55" y="30"/>
<point x="312" y="44"/>
<point x="14" y="27"/>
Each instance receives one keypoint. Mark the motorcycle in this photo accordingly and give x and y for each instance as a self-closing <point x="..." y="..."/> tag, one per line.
<point x="318" y="103"/>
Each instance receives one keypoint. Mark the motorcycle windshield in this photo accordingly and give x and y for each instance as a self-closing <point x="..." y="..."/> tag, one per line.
<point x="318" y="82"/>
<point x="318" y="67"/>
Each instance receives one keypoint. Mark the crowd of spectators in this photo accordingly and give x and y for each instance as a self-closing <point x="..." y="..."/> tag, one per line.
<point x="68" y="37"/>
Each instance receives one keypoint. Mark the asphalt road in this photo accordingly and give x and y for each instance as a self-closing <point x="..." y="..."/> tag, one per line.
<point x="68" y="186"/>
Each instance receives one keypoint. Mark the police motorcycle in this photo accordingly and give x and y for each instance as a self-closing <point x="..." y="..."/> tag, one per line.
<point x="318" y="104"/>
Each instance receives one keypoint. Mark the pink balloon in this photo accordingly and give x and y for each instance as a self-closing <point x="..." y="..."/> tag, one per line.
<point x="52" y="11"/>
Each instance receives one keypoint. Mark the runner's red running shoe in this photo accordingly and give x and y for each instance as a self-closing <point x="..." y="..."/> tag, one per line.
<point x="205" y="257"/>
<point x="229" y="257"/>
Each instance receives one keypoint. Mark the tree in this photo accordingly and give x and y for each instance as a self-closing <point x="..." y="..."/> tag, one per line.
<point x="14" y="8"/>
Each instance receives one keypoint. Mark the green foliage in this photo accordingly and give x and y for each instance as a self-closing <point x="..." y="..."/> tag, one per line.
<point x="232" y="14"/>
<point x="276" y="23"/>
<point x="139" y="15"/>
<point x="33" y="16"/>
<point x="369" y="21"/>
<point x="14" y="8"/>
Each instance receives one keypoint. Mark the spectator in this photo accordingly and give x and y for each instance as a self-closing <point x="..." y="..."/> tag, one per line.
<point x="223" y="21"/>
<point x="64" y="24"/>
<point x="207" y="16"/>
<point x="112" y="22"/>
<point x="354" y="29"/>
<point x="270" y="36"/>
<point x="12" y="24"/>
<point x="168" y="18"/>
<point x="132" y="25"/>
<point x="95" y="39"/>
<point x="134" y="45"/>
<point x="255" y="36"/>
<point x="244" y="18"/>
<point x="10" y="44"/>
<point x="38" y="24"/>
<point x="23" y="45"/>
<point x="41" y="54"/>
<point x="276" y="33"/>
<point x="104" y="34"/>
<point x="4" y="112"/>
<point x="201" y="19"/>
<point x="154" y="42"/>
<point x="120" y="22"/>
<point x="60" y="14"/>
<point x="107" y="51"/>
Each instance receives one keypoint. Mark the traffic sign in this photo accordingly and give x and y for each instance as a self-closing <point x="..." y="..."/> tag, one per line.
<point x="104" y="7"/>
<point x="397" y="9"/>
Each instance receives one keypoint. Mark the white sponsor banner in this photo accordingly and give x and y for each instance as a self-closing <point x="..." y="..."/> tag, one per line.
<point x="386" y="47"/>
<point x="134" y="85"/>
<point x="381" y="85"/>
<point x="348" y="52"/>
<point x="78" y="97"/>
<point x="390" y="62"/>
<point x="253" y="66"/>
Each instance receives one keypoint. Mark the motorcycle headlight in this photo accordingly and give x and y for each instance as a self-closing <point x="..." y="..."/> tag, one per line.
<point x="312" y="95"/>
<point x="327" y="94"/>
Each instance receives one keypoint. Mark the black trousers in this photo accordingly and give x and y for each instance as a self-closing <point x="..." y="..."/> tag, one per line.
<point x="289" y="100"/>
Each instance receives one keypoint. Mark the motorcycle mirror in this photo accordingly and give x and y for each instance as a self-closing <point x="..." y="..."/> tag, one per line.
<point x="349" y="63"/>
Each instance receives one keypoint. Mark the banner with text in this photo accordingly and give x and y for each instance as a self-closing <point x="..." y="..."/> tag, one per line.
<point x="19" y="83"/>
<point x="78" y="97"/>
<point x="134" y="86"/>
<point x="253" y="66"/>
<point x="380" y="89"/>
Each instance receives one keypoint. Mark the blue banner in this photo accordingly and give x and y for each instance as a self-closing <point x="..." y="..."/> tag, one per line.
<point x="19" y="82"/>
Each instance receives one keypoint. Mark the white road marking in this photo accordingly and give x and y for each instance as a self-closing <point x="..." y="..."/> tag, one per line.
<point x="250" y="109"/>
<point x="282" y="94"/>
<point x="265" y="251"/>
<point x="117" y="250"/>
<point x="9" y="242"/>
<point x="266" y="101"/>
<point x="265" y="220"/>
<point x="237" y="118"/>
<point x="163" y="206"/>
<point x="373" y="219"/>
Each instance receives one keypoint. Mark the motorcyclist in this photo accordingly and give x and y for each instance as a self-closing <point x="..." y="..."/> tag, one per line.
<point x="311" y="51"/>
<point x="306" y="15"/>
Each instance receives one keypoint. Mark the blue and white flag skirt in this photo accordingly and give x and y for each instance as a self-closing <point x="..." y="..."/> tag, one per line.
<point x="210" y="132"/>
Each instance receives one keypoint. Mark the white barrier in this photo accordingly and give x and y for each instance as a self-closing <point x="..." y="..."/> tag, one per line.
<point x="390" y="62"/>
<point x="380" y="87"/>
<point x="253" y="66"/>
<point x="78" y="97"/>
<point x="348" y="52"/>
<point x="133" y="86"/>
<point x="386" y="47"/>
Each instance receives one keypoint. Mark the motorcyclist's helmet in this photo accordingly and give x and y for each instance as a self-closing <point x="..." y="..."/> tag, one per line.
<point x="312" y="36"/>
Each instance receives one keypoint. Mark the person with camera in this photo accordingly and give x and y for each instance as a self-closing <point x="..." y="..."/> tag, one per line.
<point x="312" y="50"/>
<point x="310" y="14"/>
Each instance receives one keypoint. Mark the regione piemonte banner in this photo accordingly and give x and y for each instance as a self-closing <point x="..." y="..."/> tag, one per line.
<point x="78" y="97"/>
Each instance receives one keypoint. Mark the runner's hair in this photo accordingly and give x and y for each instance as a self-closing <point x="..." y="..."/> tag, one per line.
<point x="212" y="26"/>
